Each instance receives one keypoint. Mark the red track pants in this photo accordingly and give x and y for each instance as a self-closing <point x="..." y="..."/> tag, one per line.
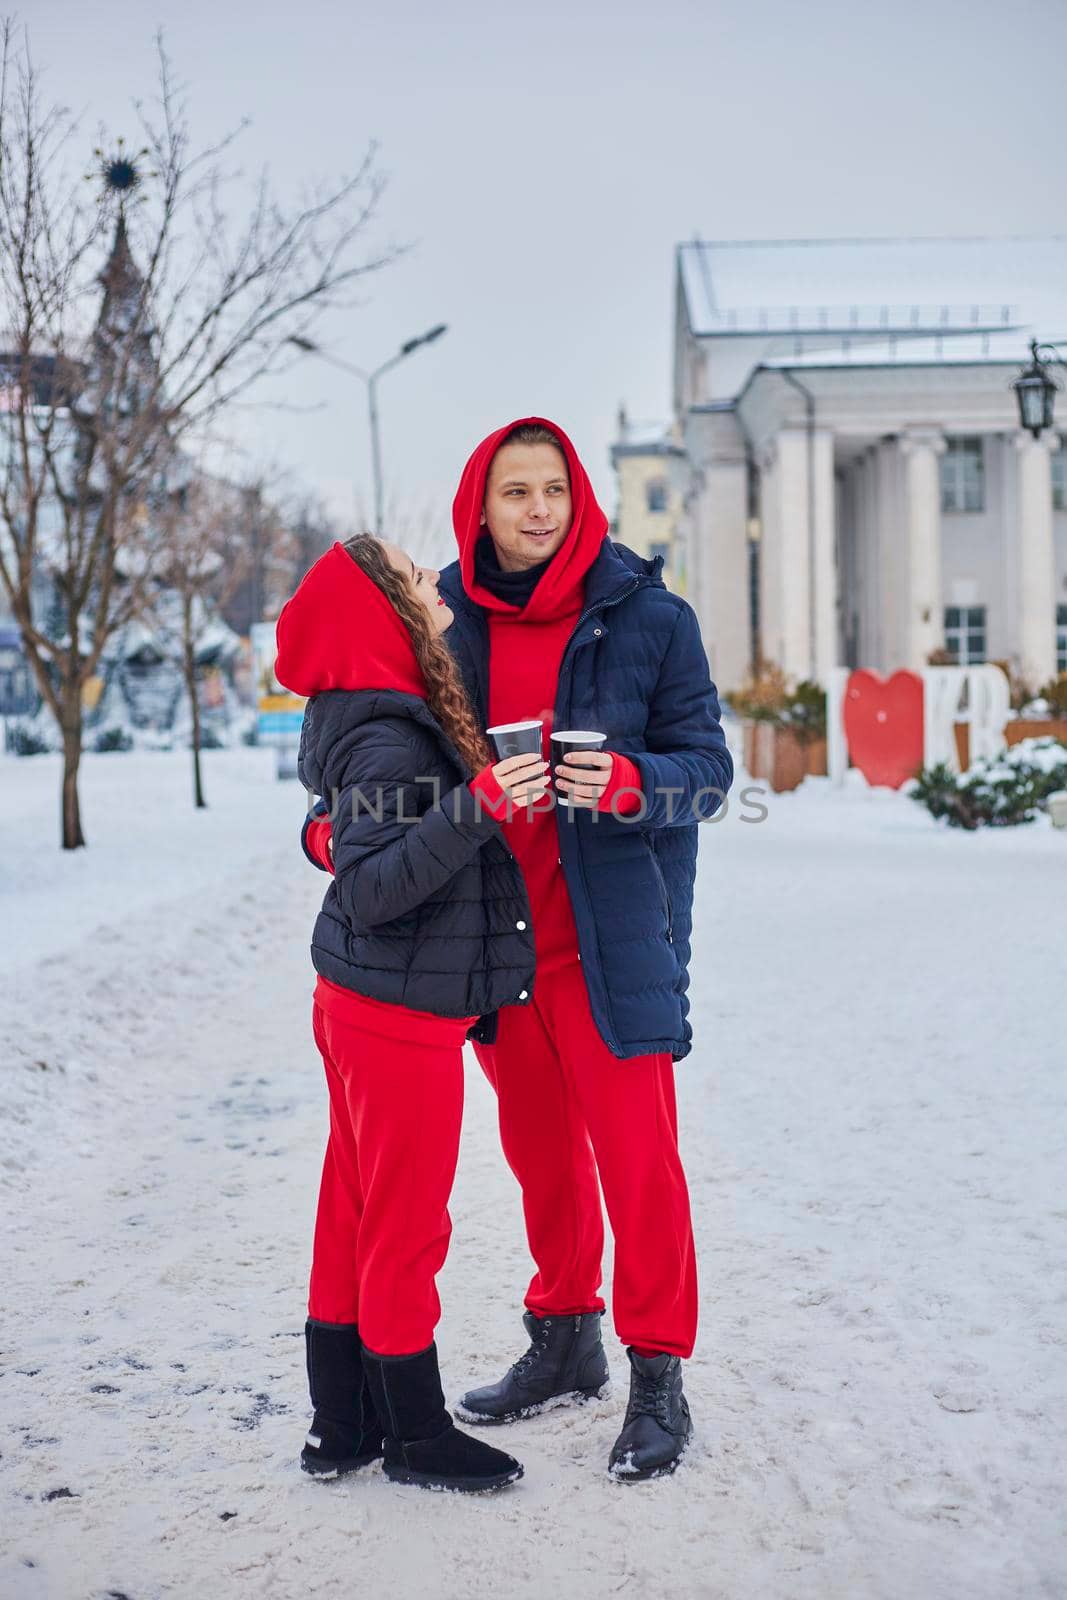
<point x="382" y="1230"/>
<point x="568" y="1110"/>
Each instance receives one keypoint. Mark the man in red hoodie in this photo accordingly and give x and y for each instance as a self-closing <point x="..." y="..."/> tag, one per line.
<point x="553" y="621"/>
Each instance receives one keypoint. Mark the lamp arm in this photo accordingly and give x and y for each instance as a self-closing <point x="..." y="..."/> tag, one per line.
<point x="1050" y="352"/>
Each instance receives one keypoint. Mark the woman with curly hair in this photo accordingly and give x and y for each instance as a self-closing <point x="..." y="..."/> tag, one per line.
<point x="425" y="927"/>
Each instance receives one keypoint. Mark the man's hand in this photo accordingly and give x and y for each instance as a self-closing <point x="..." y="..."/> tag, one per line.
<point x="584" y="776"/>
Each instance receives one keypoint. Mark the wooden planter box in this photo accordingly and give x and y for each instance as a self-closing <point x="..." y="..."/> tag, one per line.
<point x="1014" y="733"/>
<point x="777" y="757"/>
<point x="1035" y="728"/>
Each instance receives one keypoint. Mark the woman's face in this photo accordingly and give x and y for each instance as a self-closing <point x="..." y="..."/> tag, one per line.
<point x="422" y="581"/>
<point x="527" y="504"/>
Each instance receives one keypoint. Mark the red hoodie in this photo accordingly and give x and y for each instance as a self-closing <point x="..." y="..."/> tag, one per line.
<point x="525" y="651"/>
<point x="340" y="632"/>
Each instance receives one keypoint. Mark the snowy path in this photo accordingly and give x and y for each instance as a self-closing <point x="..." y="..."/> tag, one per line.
<point x="874" y="1131"/>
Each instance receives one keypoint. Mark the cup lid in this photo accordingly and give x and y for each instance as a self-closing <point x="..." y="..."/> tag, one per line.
<point x="515" y="727"/>
<point x="579" y="733"/>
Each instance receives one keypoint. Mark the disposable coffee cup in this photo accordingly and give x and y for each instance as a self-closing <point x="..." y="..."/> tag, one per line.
<point x="573" y="739"/>
<point x="516" y="739"/>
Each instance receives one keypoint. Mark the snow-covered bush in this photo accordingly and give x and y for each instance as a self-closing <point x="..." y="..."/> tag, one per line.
<point x="24" y="739"/>
<point x="112" y="739"/>
<point x="999" y="792"/>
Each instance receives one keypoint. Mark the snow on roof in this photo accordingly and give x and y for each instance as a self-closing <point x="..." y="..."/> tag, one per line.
<point x="136" y="637"/>
<point x="1012" y="348"/>
<point x="644" y="433"/>
<point x="217" y="641"/>
<point x="874" y="285"/>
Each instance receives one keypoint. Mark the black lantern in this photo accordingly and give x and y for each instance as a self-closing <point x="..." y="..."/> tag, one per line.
<point x="1035" y="392"/>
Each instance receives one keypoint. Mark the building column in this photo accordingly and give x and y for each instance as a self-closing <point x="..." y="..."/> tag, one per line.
<point x="1036" y="621"/>
<point x="802" y="635"/>
<point x="924" y="622"/>
<point x="793" y="553"/>
<point x="715" y="512"/>
<point x="825" y="577"/>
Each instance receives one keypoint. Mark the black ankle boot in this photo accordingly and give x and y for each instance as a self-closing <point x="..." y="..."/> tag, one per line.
<point x="565" y="1364"/>
<point x="345" y="1432"/>
<point x="422" y="1444"/>
<point x="657" y="1426"/>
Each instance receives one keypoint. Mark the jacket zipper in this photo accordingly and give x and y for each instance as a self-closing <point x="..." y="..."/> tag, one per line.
<point x="663" y="891"/>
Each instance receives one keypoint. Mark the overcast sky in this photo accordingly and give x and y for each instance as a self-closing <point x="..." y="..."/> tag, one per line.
<point x="546" y="158"/>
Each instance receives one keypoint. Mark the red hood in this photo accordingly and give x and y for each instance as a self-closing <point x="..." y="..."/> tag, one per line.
<point x="561" y="584"/>
<point x="340" y="632"/>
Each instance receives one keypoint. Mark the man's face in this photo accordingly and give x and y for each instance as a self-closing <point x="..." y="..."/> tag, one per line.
<point x="527" y="504"/>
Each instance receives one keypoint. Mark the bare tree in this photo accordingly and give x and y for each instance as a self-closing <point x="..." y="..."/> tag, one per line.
<point x="313" y="530"/>
<point x="206" y="559"/>
<point x="109" y="376"/>
<point x="270" y="547"/>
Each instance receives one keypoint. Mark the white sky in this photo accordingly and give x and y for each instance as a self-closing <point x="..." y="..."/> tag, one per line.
<point x="548" y="157"/>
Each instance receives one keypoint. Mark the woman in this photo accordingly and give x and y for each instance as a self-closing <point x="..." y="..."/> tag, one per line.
<point x="425" y="927"/>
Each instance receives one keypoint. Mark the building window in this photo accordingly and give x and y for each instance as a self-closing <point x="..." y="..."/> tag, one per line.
<point x="963" y="475"/>
<point x="660" y="548"/>
<point x="965" y="634"/>
<point x="1061" y="638"/>
<point x="17" y="694"/>
<point x="656" y="494"/>
<point x="1059" y="479"/>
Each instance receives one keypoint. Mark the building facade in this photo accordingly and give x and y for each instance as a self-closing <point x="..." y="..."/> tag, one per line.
<point x="855" y="489"/>
<point x="650" y="480"/>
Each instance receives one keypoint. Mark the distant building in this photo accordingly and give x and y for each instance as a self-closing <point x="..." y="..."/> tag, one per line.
<point x="649" y="466"/>
<point x="855" y="487"/>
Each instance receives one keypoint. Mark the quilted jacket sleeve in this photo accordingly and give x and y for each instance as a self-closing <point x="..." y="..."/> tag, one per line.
<point x="390" y="853"/>
<point x="313" y="836"/>
<point x="686" y="769"/>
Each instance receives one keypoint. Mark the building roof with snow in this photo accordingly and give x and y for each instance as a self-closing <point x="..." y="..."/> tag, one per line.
<point x="867" y="302"/>
<point x="875" y="285"/>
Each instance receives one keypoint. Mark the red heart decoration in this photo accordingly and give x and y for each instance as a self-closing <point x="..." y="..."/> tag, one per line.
<point x="884" y="725"/>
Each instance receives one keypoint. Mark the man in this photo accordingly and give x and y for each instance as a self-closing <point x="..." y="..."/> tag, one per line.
<point x="555" y="621"/>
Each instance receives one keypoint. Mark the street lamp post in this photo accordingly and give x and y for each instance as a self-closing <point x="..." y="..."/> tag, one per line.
<point x="1035" y="389"/>
<point x="371" y="380"/>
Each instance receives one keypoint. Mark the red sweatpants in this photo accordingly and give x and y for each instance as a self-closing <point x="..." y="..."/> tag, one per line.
<point x="568" y="1110"/>
<point x="382" y="1229"/>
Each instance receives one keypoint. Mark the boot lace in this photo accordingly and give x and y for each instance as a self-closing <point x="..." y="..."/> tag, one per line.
<point x="649" y="1398"/>
<point x="533" y="1355"/>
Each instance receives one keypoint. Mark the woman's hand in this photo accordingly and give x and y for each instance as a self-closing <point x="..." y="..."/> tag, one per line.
<point x="523" y="779"/>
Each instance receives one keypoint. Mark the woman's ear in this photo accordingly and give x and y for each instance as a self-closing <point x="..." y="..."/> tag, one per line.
<point x="481" y="520"/>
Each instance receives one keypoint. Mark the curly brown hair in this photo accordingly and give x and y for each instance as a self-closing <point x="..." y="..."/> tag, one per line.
<point x="445" y="694"/>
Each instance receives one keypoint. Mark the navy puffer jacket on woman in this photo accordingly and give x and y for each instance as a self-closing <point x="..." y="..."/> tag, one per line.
<point x="427" y="908"/>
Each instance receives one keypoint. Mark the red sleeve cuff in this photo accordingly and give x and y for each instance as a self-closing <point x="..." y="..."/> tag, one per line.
<point x="316" y="839"/>
<point x="484" y="785"/>
<point x="624" y="775"/>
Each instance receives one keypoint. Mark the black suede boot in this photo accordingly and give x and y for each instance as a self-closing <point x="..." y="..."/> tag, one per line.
<point x="657" y="1426"/>
<point x="422" y="1444"/>
<point x="565" y="1364"/>
<point x="345" y="1432"/>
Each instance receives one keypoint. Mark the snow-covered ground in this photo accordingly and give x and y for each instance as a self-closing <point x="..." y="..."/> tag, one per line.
<point x="873" y="1124"/>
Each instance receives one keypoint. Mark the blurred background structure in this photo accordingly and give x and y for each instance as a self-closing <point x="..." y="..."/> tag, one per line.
<point x="845" y="481"/>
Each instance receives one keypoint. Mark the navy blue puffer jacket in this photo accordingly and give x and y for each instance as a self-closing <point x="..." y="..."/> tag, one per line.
<point x="634" y="668"/>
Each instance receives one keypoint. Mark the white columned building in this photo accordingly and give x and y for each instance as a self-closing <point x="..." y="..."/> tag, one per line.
<point x="854" y="487"/>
